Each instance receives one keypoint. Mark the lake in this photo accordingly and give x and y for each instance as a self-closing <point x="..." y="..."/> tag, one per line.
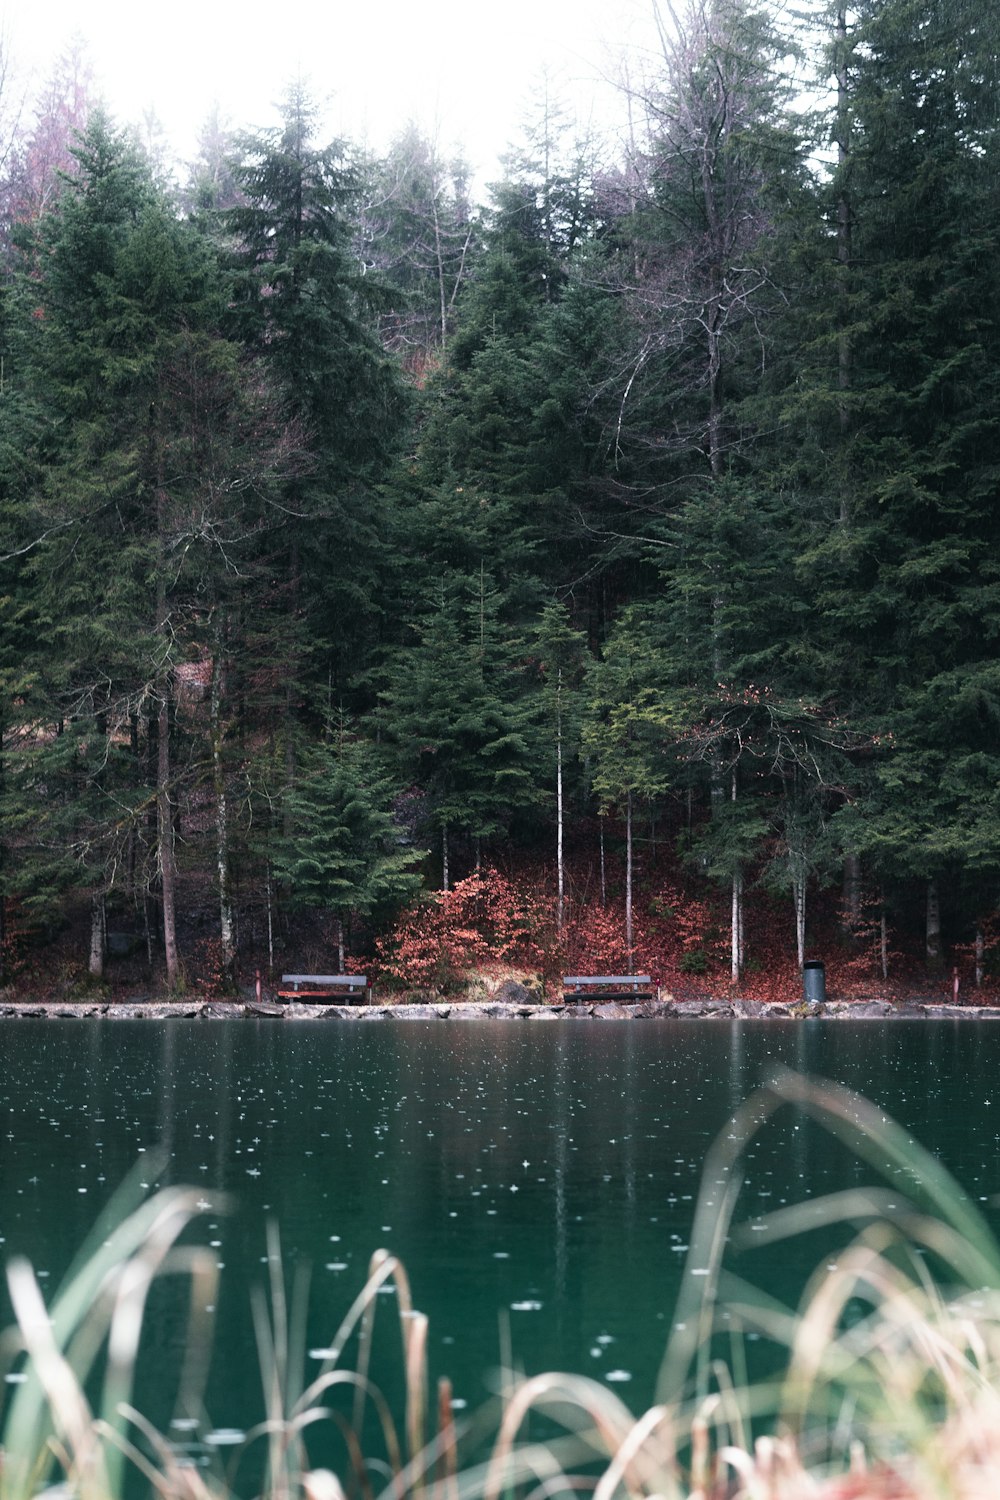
<point x="537" y="1180"/>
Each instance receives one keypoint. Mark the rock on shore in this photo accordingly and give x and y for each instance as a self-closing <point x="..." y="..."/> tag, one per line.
<point x="510" y="1008"/>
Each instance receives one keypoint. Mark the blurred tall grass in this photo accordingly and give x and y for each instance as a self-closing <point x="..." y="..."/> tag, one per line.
<point x="889" y="1387"/>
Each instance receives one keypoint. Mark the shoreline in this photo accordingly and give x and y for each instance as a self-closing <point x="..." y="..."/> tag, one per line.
<point x="444" y="1010"/>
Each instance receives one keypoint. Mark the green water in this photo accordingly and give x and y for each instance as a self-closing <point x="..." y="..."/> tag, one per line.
<point x="538" y="1180"/>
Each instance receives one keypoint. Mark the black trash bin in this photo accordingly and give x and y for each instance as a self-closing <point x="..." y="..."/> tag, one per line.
<point x="814" y="981"/>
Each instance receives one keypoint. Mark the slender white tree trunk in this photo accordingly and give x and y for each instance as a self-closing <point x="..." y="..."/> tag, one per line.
<point x="628" y="877"/>
<point x="270" y="922"/>
<point x="560" y="874"/>
<point x="980" y="956"/>
<point x="799" y="887"/>
<point x="164" y="806"/>
<point x="444" y="857"/>
<point x="884" y="943"/>
<point x="165" y="837"/>
<point x="95" y="965"/>
<point x="934" y="959"/>
<point x="740" y="932"/>
<point x="843" y="138"/>
<point x="736" y="915"/>
<point x="226" y="934"/>
<point x="604" y="882"/>
<point x="736" y="929"/>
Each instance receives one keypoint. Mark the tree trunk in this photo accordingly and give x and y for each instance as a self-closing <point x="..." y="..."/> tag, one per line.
<point x="799" y="893"/>
<point x="270" y="921"/>
<point x="935" y="960"/>
<point x="165" y="834"/>
<point x="560" y="874"/>
<point x="3" y="893"/>
<point x="740" y="930"/>
<point x="980" y="956"/>
<point x="95" y="964"/>
<point x="133" y="832"/>
<point x="851" y="903"/>
<point x="147" y="930"/>
<point x="844" y="353"/>
<point x="164" y="810"/>
<point x="444" y="857"/>
<point x="226" y="938"/>
<point x="736" y="929"/>
<point x="628" y="878"/>
<point x="341" y="957"/>
<point x="604" y="880"/>
<point x="292" y="669"/>
<point x="736" y="913"/>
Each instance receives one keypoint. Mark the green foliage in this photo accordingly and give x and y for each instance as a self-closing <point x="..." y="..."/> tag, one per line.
<point x="460" y="718"/>
<point x="300" y="299"/>
<point x="344" y="851"/>
<point x="687" y="465"/>
<point x="632" y="723"/>
<point x="303" y="304"/>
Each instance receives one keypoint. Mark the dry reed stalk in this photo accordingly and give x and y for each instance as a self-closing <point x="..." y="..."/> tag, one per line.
<point x="917" y="1376"/>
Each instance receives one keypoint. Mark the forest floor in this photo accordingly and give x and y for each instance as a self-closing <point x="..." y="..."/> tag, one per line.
<point x="496" y="929"/>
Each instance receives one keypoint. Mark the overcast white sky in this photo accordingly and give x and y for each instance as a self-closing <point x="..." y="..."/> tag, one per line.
<point x="462" y="68"/>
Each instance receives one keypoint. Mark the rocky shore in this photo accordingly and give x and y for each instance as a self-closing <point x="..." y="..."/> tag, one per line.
<point x="507" y="1009"/>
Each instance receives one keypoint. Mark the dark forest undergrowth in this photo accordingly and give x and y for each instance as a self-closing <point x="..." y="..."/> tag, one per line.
<point x="501" y="923"/>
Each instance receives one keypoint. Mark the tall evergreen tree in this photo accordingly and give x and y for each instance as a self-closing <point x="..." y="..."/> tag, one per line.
<point x="344" y="853"/>
<point x="458" y="712"/>
<point x="145" y="498"/>
<point x="305" y="305"/>
<point x="904" y="579"/>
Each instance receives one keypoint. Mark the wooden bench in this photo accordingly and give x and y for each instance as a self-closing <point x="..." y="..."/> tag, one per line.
<point x="607" y="987"/>
<point x="324" y="987"/>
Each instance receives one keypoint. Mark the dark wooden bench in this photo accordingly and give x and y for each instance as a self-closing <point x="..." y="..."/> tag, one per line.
<point x="322" y="988"/>
<point x="607" y="987"/>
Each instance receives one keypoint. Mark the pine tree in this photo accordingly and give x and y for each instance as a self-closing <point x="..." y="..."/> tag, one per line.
<point x="344" y="853"/>
<point x="903" y="578"/>
<point x="146" y="499"/>
<point x="629" y="731"/>
<point x="308" y="309"/>
<point x="457" y="711"/>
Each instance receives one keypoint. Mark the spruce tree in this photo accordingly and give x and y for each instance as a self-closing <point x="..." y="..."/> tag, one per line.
<point x="344" y="853"/>
<point x="305" y="305"/>
<point x="458" y="712"/>
<point x="904" y="578"/>
<point x="149" y="493"/>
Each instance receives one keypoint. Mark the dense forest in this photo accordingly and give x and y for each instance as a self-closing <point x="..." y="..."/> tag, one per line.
<point x="619" y="557"/>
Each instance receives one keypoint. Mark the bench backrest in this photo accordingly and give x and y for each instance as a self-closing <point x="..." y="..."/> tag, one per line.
<point x="605" y="979"/>
<point x="328" y="979"/>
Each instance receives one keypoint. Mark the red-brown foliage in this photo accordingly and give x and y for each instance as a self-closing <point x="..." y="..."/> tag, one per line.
<point x="483" y="922"/>
<point x="494" y="921"/>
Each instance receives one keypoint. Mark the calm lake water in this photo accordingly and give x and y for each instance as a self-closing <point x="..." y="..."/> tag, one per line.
<point x="538" y="1180"/>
